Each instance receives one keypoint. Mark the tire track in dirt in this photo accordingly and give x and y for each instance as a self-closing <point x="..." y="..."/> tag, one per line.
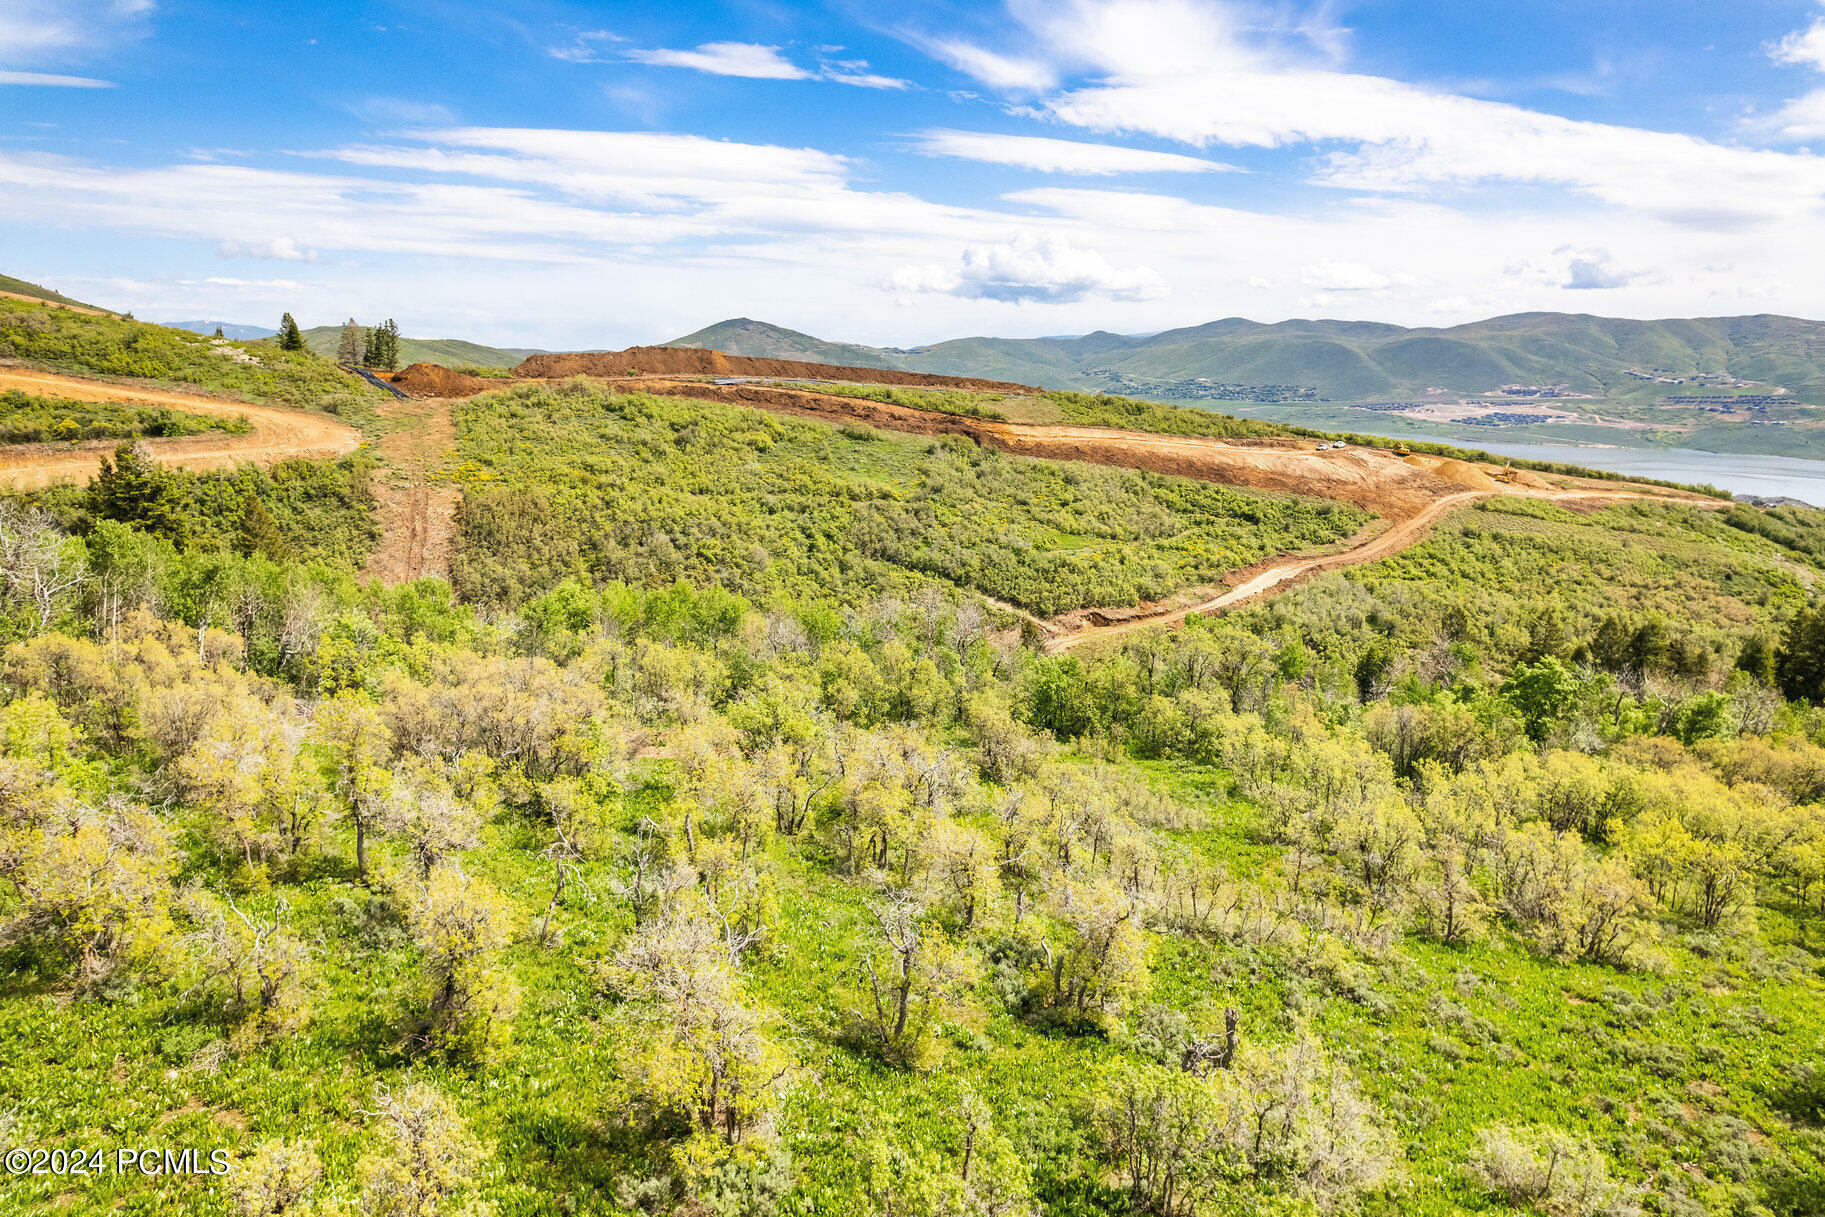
<point x="416" y="508"/>
<point x="277" y="433"/>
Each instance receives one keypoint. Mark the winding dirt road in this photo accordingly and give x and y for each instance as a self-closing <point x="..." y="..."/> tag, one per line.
<point x="277" y="433"/>
<point x="1397" y="537"/>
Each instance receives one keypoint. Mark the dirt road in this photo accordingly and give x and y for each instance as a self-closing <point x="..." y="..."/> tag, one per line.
<point x="1279" y="575"/>
<point x="74" y="308"/>
<point x="277" y="433"/>
<point x="416" y="506"/>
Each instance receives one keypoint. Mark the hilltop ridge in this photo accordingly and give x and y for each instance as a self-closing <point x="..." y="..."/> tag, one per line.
<point x="1354" y="360"/>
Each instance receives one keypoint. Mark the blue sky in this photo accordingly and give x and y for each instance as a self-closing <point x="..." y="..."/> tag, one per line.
<point x="541" y="173"/>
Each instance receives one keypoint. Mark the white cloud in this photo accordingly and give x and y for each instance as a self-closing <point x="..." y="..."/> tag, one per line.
<point x="1344" y="277"/>
<point x="995" y="70"/>
<point x="48" y="78"/>
<point x="1596" y="270"/>
<point x="1044" y="269"/>
<point x="38" y="32"/>
<point x="585" y="47"/>
<point x="1205" y="74"/>
<point x="278" y="249"/>
<point x="1805" y="47"/>
<point x="746" y="59"/>
<point x="1801" y="118"/>
<point x="1058" y="155"/>
<point x="867" y="80"/>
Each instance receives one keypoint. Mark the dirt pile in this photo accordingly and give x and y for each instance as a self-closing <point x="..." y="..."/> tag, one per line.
<point x="1462" y="473"/>
<point x="433" y="380"/>
<point x="697" y="361"/>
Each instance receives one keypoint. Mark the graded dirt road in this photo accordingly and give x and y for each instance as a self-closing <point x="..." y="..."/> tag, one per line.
<point x="277" y="433"/>
<point x="1409" y="492"/>
<point x="74" y="308"/>
<point x="415" y="506"/>
<point x="1279" y="575"/>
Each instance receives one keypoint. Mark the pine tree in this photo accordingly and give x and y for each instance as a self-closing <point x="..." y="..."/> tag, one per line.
<point x="1799" y="663"/>
<point x="382" y="350"/>
<point x="349" y="349"/>
<point x="291" y="338"/>
<point x="218" y="332"/>
<point x="134" y="489"/>
<point x="1757" y="658"/>
<point x="259" y="532"/>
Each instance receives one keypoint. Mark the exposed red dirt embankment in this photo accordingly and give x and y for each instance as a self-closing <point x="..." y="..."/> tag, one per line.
<point x="698" y="361"/>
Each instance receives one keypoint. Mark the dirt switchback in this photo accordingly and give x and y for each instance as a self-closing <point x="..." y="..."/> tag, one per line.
<point x="277" y="433"/>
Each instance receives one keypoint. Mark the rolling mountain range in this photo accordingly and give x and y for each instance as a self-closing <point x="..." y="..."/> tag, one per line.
<point x="230" y="329"/>
<point x="1352" y="360"/>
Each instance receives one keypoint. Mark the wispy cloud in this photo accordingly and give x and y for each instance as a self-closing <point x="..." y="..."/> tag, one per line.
<point x="747" y="59"/>
<point x="51" y="79"/>
<point x="44" y="33"/>
<point x="1202" y="75"/>
<point x="1004" y="72"/>
<point x="1058" y="155"/>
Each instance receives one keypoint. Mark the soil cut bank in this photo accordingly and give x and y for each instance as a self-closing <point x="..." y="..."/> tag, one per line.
<point x="697" y="361"/>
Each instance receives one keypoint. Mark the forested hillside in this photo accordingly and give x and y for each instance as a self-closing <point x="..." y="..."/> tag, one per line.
<point x="709" y="844"/>
<point x="1353" y="361"/>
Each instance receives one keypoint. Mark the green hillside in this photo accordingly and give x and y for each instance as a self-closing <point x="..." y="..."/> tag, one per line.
<point x="69" y="341"/>
<point x="19" y="287"/>
<point x="449" y="352"/>
<point x="1356" y="361"/>
<point x="745" y="336"/>
<point x="708" y="846"/>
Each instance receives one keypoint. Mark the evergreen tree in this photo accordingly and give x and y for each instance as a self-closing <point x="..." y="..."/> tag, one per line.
<point x="1610" y="648"/>
<point x="291" y="338"/>
<point x="134" y="489"/>
<point x="1546" y="637"/>
<point x="1757" y="659"/>
<point x="259" y="532"/>
<point x="218" y="332"/>
<point x="349" y="349"/>
<point x="1648" y="647"/>
<point x="382" y="350"/>
<point x="1799" y="664"/>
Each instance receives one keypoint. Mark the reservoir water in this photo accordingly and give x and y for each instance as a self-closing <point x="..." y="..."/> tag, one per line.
<point x="1739" y="473"/>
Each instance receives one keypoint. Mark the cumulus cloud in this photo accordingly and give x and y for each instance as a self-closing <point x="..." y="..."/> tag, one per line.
<point x="747" y="59"/>
<point x="278" y="249"/>
<point x="1032" y="269"/>
<point x="1058" y="155"/>
<point x="1805" y="47"/>
<point x="1596" y="270"/>
<point x="1801" y="117"/>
